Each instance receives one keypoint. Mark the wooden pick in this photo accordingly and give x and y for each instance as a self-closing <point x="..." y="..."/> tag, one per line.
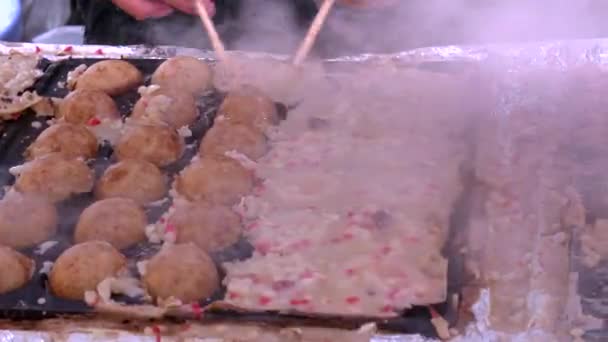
<point x="313" y="32"/>
<point x="216" y="42"/>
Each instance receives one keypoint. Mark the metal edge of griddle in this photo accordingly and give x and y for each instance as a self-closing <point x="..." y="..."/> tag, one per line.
<point x="556" y="52"/>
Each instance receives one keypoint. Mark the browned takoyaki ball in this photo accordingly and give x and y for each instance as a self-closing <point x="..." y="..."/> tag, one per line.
<point x="113" y="77"/>
<point x="185" y="73"/>
<point x="211" y="227"/>
<point x="71" y="140"/>
<point x="55" y="177"/>
<point x="26" y="220"/>
<point x="181" y="271"/>
<point x="136" y="179"/>
<point x="16" y="269"/>
<point x="80" y="106"/>
<point x="82" y="267"/>
<point x="224" y="137"/>
<point x="118" y="221"/>
<point x="217" y="181"/>
<point x="160" y="145"/>
<point x="250" y="107"/>
<point x="175" y="108"/>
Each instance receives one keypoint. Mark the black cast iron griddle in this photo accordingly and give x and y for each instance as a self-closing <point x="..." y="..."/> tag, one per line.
<point x="35" y="301"/>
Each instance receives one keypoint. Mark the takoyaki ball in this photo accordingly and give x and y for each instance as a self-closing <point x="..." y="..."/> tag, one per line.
<point x="185" y="73"/>
<point x="136" y="179"/>
<point x="160" y="145"/>
<point x="211" y="227"/>
<point x="82" y="105"/>
<point x="82" y="267"/>
<point x="55" y="177"/>
<point x="182" y="271"/>
<point x="26" y="220"/>
<point x="218" y="181"/>
<point x="118" y="221"/>
<point x="113" y="77"/>
<point x="172" y="107"/>
<point x="250" y="107"/>
<point x="224" y="137"/>
<point x="71" y="140"/>
<point x="16" y="269"/>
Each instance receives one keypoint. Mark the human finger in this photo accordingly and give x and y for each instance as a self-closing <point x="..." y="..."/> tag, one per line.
<point x="144" y="9"/>
<point x="189" y="6"/>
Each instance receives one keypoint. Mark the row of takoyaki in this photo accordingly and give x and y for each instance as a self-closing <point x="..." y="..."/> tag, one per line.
<point x="149" y="141"/>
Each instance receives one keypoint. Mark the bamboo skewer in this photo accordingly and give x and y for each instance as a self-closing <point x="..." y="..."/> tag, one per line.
<point x="214" y="37"/>
<point x="313" y="32"/>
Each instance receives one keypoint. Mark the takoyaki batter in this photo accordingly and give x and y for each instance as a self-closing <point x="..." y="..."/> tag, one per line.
<point x="158" y="144"/>
<point x="71" y="140"/>
<point x="225" y="137"/>
<point x="218" y="181"/>
<point x="26" y="220"/>
<point x="54" y="176"/>
<point x="210" y="227"/>
<point x="82" y="267"/>
<point x="185" y="73"/>
<point x="85" y="106"/>
<point x="175" y="108"/>
<point x="136" y="179"/>
<point x="113" y="77"/>
<point x="16" y="269"/>
<point x="182" y="271"/>
<point x="118" y="221"/>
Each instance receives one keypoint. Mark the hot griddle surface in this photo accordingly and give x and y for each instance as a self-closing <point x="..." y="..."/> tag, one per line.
<point x="35" y="301"/>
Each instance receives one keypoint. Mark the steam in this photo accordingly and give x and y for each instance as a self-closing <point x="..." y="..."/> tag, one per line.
<point x="419" y="23"/>
<point x="268" y="26"/>
<point x="272" y="25"/>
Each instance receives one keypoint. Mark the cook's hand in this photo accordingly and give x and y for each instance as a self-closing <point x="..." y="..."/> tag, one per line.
<point x="362" y="3"/>
<point x="188" y="6"/>
<point x="146" y="9"/>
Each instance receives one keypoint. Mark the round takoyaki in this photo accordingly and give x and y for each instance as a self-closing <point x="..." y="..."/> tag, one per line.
<point x="118" y="221"/>
<point x="250" y="107"/>
<point x="183" y="271"/>
<point x="82" y="267"/>
<point x="16" y="269"/>
<point x="211" y="227"/>
<point x="217" y="181"/>
<point x="54" y="176"/>
<point x="172" y="107"/>
<point x="136" y="179"/>
<point x="185" y="73"/>
<point x="113" y="77"/>
<point x="26" y="220"/>
<point x="160" y="145"/>
<point x="84" y="105"/>
<point x="71" y="140"/>
<point x="224" y="137"/>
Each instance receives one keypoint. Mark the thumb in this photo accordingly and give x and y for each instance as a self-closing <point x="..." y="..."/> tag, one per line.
<point x="144" y="9"/>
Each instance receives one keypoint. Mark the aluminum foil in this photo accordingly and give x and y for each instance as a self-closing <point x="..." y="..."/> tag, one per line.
<point x="515" y="56"/>
<point x="564" y="53"/>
